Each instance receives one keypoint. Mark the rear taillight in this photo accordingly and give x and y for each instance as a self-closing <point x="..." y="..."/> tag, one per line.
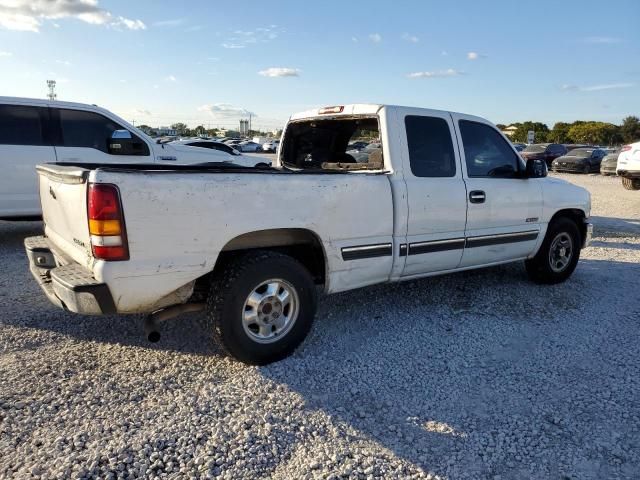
<point x="106" y="223"/>
<point x="625" y="148"/>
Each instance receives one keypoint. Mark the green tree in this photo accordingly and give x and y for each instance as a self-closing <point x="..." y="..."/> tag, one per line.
<point x="181" y="128"/>
<point x="630" y="129"/>
<point x="520" y="135"/>
<point x="501" y="126"/>
<point x="200" y="130"/>
<point x="559" y="133"/>
<point x="594" y="133"/>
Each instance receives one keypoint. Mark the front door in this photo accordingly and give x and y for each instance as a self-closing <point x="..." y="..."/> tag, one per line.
<point x="504" y="209"/>
<point x="85" y="137"/>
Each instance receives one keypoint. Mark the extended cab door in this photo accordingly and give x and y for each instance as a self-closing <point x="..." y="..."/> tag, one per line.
<point x="504" y="209"/>
<point x="24" y="143"/>
<point x="436" y="192"/>
<point x="84" y="137"/>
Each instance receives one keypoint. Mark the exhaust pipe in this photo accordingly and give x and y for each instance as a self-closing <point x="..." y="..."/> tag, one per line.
<point x="153" y="321"/>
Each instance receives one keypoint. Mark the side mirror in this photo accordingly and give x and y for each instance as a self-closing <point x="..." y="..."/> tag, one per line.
<point x="536" y="169"/>
<point x="123" y="143"/>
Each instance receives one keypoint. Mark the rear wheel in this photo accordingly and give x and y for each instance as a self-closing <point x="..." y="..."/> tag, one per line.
<point x="631" y="183"/>
<point x="559" y="254"/>
<point x="261" y="307"/>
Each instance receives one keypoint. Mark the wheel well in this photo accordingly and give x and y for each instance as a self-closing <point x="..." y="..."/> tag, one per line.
<point x="299" y="243"/>
<point x="577" y="216"/>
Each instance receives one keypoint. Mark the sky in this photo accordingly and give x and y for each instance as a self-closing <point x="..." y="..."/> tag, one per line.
<point x="214" y="62"/>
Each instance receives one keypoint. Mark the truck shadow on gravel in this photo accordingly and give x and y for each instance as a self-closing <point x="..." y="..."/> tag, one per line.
<point x="471" y="374"/>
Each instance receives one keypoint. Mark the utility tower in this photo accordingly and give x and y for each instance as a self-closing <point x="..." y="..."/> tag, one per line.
<point x="52" y="90"/>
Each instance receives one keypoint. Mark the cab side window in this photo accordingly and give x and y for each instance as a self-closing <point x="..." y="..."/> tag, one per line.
<point x="21" y="125"/>
<point x="486" y="153"/>
<point x="430" y="147"/>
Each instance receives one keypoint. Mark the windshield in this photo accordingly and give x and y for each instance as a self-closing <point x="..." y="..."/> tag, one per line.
<point x="535" y="148"/>
<point x="581" y="152"/>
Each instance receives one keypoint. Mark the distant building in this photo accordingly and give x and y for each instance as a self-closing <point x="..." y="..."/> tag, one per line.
<point x="166" y="132"/>
<point x="510" y="130"/>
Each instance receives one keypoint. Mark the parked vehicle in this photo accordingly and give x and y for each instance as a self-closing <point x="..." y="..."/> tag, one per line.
<point x="582" y="160"/>
<point x="573" y="146"/>
<point x="629" y="166"/>
<point x="41" y="131"/>
<point x="362" y="156"/>
<point x="543" y="151"/>
<point x="519" y="146"/>
<point x="445" y="192"/>
<point x="359" y="145"/>
<point x="249" y="146"/>
<point x="238" y="158"/>
<point x="271" y="146"/>
<point x="609" y="163"/>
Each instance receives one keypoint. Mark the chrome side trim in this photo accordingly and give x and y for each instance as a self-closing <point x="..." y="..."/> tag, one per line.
<point x="486" y="240"/>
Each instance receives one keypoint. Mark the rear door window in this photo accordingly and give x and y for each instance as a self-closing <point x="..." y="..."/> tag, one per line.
<point x="21" y="125"/>
<point x="430" y="147"/>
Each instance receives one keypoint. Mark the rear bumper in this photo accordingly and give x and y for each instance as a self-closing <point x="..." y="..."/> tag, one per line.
<point x="629" y="173"/>
<point x="65" y="283"/>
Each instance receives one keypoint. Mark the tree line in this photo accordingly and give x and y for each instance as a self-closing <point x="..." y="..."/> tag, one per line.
<point x="594" y="133"/>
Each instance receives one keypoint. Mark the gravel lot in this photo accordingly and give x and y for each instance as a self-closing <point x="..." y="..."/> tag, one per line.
<point x="474" y="375"/>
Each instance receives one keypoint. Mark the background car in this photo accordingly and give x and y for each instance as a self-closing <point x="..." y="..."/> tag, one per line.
<point x="271" y="146"/>
<point x="359" y="145"/>
<point x="610" y="163"/>
<point x="543" y="151"/>
<point x="582" y="160"/>
<point x="519" y="146"/>
<point x="248" y="146"/>
<point x="214" y="145"/>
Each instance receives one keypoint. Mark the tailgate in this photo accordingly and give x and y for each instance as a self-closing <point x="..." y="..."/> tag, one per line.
<point x="63" y="195"/>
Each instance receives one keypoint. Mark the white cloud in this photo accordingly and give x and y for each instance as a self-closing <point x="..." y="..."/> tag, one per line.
<point x="244" y="38"/>
<point x="602" y="40"/>
<point x="27" y="15"/>
<point x="472" y="55"/>
<point x="141" y="111"/>
<point x="5" y="54"/>
<point x="225" y="111"/>
<point x="436" y="74"/>
<point x="410" y="38"/>
<point x="232" y="45"/>
<point x="171" y="78"/>
<point x="354" y="39"/>
<point x="375" y="37"/>
<point x="596" y="88"/>
<point x="444" y="53"/>
<point x="173" y="22"/>
<point x="280" y="72"/>
<point x="66" y="63"/>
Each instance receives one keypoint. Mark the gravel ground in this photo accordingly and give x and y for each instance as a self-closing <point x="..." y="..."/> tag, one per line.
<point x="473" y="375"/>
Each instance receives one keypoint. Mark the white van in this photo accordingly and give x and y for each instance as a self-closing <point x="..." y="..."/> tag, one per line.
<point x="36" y="131"/>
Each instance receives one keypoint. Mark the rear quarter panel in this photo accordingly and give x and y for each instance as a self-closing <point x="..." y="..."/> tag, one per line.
<point x="177" y="224"/>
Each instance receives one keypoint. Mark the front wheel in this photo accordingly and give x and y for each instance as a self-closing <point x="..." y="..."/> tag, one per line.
<point x="631" y="183"/>
<point x="559" y="254"/>
<point x="260" y="307"/>
<point x="587" y="168"/>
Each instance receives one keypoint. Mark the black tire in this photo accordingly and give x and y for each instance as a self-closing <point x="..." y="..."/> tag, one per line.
<point x="540" y="269"/>
<point x="226" y="303"/>
<point x="631" y="183"/>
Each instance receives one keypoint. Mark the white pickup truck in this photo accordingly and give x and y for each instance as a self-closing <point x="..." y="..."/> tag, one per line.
<point x="442" y="192"/>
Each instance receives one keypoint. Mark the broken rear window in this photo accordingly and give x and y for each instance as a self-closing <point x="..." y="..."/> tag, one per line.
<point x="327" y="144"/>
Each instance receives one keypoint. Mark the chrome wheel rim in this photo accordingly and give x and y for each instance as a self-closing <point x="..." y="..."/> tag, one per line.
<point x="560" y="252"/>
<point x="270" y="311"/>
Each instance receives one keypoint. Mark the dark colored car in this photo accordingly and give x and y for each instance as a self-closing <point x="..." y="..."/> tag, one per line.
<point x="519" y="146"/>
<point x="543" y="151"/>
<point x="609" y="163"/>
<point x="582" y="160"/>
<point x="359" y="145"/>
<point x="573" y="146"/>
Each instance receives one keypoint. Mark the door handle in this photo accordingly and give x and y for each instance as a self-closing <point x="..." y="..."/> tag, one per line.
<point x="477" y="196"/>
